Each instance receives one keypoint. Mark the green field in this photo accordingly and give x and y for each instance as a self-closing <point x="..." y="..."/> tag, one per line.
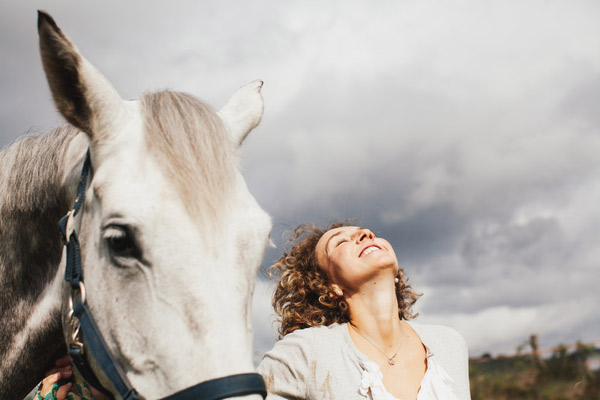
<point x="564" y="375"/>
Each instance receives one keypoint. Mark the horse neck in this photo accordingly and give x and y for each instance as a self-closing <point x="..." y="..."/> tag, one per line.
<point x="35" y="195"/>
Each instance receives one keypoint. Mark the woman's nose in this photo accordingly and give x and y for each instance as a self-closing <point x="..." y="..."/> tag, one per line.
<point x="364" y="234"/>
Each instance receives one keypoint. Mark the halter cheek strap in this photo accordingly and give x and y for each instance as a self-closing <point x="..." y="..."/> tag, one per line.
<point x="83" y="326"/>
<point x="85" y="337"/>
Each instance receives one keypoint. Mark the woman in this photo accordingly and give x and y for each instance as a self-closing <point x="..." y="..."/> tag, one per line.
<point x="344" y="306"/>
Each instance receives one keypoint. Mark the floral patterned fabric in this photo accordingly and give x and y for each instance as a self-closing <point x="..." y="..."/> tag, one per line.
<point x="79" y="391"/>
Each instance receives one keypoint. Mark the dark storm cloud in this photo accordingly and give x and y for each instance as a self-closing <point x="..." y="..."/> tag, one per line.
<point x="467" y="136"/>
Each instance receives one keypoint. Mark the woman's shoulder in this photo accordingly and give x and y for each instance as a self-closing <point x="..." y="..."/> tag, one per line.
<point x="450" y="350"/>
<point x="286" y="367"/>
<point x="307" y="338"/>
<point x="313" y="331"/>
<point x="433" y="335"/>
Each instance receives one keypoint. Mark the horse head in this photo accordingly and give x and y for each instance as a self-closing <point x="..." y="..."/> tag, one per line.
<point x="171" y="238"/>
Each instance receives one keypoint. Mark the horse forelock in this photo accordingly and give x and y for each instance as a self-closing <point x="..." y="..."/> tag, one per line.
<point x="193" y="148"/>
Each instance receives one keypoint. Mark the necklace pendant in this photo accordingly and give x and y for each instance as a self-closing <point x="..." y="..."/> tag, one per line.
<point x="391" y="361"/>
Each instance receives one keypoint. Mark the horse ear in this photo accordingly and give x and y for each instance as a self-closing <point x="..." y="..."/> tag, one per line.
<point x="243" y="111"/>
<point x="82" y="95"/>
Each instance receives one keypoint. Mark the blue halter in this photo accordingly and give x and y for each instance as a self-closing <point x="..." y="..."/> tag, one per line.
<point x="80" y="318"/>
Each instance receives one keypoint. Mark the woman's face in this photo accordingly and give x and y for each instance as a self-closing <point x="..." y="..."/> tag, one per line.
<point x="351" y="256"/>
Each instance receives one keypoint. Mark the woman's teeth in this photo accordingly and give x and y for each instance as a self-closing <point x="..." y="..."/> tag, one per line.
<point x="369" y="250"/>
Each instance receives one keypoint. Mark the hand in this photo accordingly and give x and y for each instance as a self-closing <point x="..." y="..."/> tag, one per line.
<point x="62" y="370"/>
<point x="77" y="389"/>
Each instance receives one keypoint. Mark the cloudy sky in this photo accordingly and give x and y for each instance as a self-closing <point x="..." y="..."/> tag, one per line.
<point x="466" y="132"/>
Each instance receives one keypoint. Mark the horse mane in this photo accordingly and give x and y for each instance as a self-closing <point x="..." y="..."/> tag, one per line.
<point x="33" y="198"/>
<point x="194" y="148"/>
<point x="31" y="168"/>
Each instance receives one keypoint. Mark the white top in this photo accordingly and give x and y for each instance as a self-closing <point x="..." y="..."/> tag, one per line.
<point x="436" y="384"/>
<point x="323" y="363"/>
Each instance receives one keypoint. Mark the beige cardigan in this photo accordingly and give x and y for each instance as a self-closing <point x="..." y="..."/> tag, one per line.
<point x="323" y="363"/>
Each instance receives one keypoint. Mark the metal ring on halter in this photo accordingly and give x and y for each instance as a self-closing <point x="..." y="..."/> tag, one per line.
<point x="74" y="321"/>
<point x="81" y="292"/>
<point x="82" y="296"/>
<point x="74" y="341"/>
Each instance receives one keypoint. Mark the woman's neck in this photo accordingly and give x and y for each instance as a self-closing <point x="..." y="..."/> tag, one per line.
<point x="374" y="311"/>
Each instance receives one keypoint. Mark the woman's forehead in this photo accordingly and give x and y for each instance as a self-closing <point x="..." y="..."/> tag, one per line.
<point x="342" y="229"/>
<point x="327" y="236"/>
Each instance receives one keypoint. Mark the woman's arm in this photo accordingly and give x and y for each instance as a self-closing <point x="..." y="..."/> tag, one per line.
<point x="454" y="356"/>
<point x="285" y="368"/>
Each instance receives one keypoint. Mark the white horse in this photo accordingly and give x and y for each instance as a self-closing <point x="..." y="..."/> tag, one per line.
<point x="171" y="239"/>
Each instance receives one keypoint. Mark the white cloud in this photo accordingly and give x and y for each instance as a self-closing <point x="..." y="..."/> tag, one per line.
<point x="508" y="327"/>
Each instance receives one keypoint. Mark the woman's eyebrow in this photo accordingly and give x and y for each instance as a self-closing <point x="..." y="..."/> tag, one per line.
<point x="329" y="240"/>
<point x="336" y="234"/>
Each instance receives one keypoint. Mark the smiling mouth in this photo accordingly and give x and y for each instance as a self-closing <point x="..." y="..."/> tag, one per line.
<point x="368" y="250"/>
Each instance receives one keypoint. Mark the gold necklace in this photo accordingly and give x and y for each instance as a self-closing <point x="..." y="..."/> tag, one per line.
<point x="390" y="360"/>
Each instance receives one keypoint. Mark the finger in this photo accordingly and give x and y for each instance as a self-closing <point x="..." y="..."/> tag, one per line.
<point x="48" y="382"/>
<point x="63" y="391"/>
<point x="53" y="378"/>
<point x="63" y="361"/>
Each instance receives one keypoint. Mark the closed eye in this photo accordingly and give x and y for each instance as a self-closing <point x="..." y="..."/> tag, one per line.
<point x="340" y="242"/>
<point x="121" y="242"/>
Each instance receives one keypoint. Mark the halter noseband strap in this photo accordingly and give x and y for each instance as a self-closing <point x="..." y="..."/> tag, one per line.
<point x="80" y="318"/>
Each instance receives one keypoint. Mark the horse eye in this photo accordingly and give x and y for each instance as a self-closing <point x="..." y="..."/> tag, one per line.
<point x="120" y="242"/>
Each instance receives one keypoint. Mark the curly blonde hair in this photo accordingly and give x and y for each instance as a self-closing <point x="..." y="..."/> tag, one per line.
<point x="303" y="296"/>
